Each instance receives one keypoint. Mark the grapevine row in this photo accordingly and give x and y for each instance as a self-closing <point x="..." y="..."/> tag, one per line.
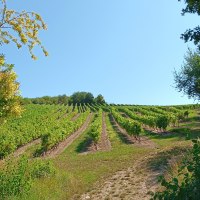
<point x="132" y="127"/>
<point x="96" y="128"/>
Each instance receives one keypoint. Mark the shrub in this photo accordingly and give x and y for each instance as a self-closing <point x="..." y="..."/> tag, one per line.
<point x="186" y="185"/>
<point x="16" y="178"/>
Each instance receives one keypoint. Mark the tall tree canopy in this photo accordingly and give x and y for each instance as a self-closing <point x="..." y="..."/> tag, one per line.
<point x="100" y="99"/>
<point x="81" y="97"/>
<point x="61" y="99"/>
<point x="75" y="98"/>
<point x="9" y="92"/>
<point x="192" y="6"/>
<point x="187" y="80"/>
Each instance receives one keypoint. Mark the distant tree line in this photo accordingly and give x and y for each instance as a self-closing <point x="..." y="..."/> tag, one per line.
<point x="76" y="98"/>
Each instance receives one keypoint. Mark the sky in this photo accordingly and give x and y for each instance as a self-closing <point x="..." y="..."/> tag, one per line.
<point x="126" y="50"/>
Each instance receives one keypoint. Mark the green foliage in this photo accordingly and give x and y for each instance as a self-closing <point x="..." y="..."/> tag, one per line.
<point x="78" y="98"/>
<point x="81" y="97"/>
<point x="41" y="169"/>
<point x="162" y="122"/>
<point x="153" y="117"/>
<point x="146" y="119"/>
<point x="7" y="144"/>
<point x="60" y="99"/>
<point x="59" y="130"/>
<point x="186" y="113"/>
<point x="30" y="126"/>
<point x="187" y="80"/>
<point x="94" y="133"/>
<point x="100" y="99"/>
<point x="187" y="183"/>
<point x="96" y="128"/>
<point x="53" y="123"/>
<point x="132" y="127"/>
<point x="16" y="178"/>
<point x="85" y="98"/>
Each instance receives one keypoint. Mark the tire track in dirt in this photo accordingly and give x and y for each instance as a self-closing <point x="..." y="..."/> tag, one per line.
<point x="63" y="145"/>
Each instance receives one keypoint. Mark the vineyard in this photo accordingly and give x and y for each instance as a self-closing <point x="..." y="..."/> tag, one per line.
<point x="93" y="131"/>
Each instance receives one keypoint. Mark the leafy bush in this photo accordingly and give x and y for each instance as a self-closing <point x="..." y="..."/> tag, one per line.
<point x="16" y="178"/>
<point x="96" y="128"/>
<point x="42" y="169"/>
<point x="186" y="185"/>
<point x="162" y="122"/>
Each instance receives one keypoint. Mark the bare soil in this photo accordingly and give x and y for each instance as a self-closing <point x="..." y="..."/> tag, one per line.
<point x="158" y="132"/>
<point x="22" y="149"/>
<point x="63" y="145"/>
<point x="104" y="144"/>
<point x="136" y="182"/>
<point x="133" y="183"/>
<point x="75" y="117"/>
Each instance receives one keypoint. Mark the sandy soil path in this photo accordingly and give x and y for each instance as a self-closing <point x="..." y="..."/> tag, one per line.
<point x="104" y="144"/>
<point x="137" y="181"/>
<point x="23" y="149"/>
<point x="133" y="183"/>
<point x="75" y="117"/>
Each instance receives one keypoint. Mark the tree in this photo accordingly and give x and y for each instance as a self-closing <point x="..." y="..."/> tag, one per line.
<point x="100" y="99"/>
<point x="192" y="6"/>
<point x="63" y="99"/>
<point x="187" y="80"/>
<point x="20" y="28"/>
<point x="81" y="97"/>
<point x="9" y="92"/>
<point x="162" y="122"/>
<point x="89" y="98"/>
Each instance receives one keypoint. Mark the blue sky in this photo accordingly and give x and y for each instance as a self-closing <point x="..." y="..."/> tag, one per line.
<point x="125" y="50"/>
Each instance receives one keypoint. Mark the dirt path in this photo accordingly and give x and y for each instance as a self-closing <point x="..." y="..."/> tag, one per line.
<point x="104" y="144"/>
<point x="63" y="145"/>
<point x="23" y="148"/>
<point x="75" y="117"/>
<point x="133" y="183"/>
<point x="144" y="141"/>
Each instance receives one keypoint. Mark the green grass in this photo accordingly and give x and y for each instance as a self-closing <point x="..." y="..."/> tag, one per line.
<point x="77" y="173"/>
